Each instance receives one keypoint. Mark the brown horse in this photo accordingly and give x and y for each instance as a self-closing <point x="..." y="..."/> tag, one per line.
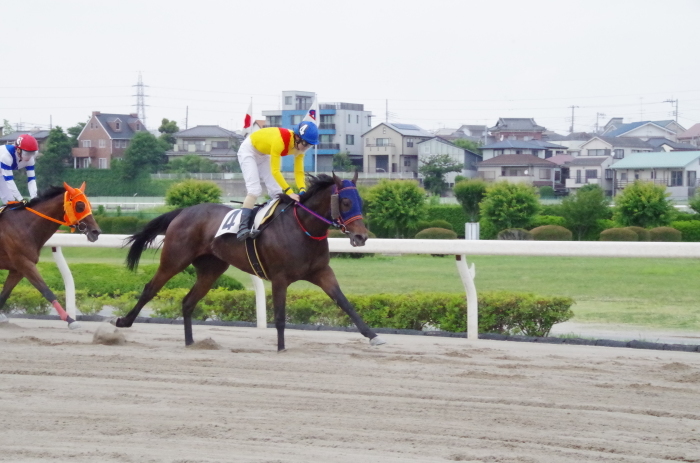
<point x="25" y="228"/>
<point x="293" y="247"/>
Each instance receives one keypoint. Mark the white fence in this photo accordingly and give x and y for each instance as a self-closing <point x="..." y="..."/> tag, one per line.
<point x="459" y="248"/>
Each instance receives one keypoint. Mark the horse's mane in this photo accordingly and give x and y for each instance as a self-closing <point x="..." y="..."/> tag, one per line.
<point x="317" y="184"/>
<point x="49" y="193"/>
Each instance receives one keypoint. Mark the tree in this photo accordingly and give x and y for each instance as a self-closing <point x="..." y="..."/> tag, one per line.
<point x="167" y="129"/>
<point x="54" y="158"/>
<point x="191" y="163"/>
<point x="470" y="193"/>
<point x="583" y="210"/>
<point x="342" y="162"/>
<point x="694" y="203"/>
<point x="396" y="206"/>
<point x="510" y="205"/>
<point x="144" y="154"/>
<point x="75" y="131"/>
<point x="193" y="192"/>
<point x="473" y="146"/>
<point x="643" y="204"/>
<point x="7" y="127"/>
<point x="434" y="169"/>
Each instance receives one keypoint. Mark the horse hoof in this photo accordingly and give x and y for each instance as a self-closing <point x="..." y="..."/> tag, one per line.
<point x="376" y="341"/>
<point x="74" y="326"/>
<point x="114" y="320"/>
<point x="279" y="351"/>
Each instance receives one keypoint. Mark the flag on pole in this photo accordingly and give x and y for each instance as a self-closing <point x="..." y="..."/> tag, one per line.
<point x="313" y="114"/>
<point x="248" y="121"/>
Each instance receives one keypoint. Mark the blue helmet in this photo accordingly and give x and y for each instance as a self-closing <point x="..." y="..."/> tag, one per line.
<point x="308" y="132"/>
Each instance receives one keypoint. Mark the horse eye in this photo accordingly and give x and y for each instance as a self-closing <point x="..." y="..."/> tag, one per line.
<point x="80" y="207"/>
<point x="346" y="203"/>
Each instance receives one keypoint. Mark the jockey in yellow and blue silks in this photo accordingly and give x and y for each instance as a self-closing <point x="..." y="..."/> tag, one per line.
<point x="20" y="155"/>
<point x="260" y="157"/>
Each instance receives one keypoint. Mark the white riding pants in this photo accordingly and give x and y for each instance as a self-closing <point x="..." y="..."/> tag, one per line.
<point x="255" y="167"/>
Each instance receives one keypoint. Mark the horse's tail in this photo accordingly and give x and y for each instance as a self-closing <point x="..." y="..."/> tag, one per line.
<point x="141" y="240"/>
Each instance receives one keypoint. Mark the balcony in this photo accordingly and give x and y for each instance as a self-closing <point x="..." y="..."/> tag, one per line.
<point x="578" y="183"/>
<point x="326" y="126"/>
<point x="328" y="146"/>
<point x="83" y="152"/>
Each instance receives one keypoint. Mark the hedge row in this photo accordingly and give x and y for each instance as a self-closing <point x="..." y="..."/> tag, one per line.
<point x="105" y="182"/>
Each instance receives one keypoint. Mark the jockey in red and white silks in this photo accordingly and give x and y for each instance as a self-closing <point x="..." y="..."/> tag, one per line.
<point x="15" y="157"/>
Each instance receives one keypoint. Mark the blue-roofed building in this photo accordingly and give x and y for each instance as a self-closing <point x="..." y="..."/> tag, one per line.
<point x="340" y="129"/>
<point x="643" y="129"/>
<point x="393" y="148"/>
<point x="676" y="170"/>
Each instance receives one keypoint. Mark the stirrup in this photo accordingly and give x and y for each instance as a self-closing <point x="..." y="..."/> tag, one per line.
<point x="243" y="235"/>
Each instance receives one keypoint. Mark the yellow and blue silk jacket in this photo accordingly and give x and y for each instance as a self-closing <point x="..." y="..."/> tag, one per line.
<point x="277" y="142"/>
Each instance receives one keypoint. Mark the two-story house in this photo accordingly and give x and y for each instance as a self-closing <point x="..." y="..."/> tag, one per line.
<point x="439" y="146"/>
<point x="643" y="130"/>
<point x="210" y="141"/>
<point x="105" y="137"/>
<point x="519" y="168"/>
<point x="677" y="171"/>
<point x="540" y="148"/>
<point x="617" y="147"/>
<point x="392" y="148"/>
<point x="691" y="136"/>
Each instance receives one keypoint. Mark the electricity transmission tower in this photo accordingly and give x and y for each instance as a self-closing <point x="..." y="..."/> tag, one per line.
<point x="140" y="100"/>
<point x="675" y="103"/>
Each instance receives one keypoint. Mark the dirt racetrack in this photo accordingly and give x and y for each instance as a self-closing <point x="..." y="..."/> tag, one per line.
<point x="333" y="398"/>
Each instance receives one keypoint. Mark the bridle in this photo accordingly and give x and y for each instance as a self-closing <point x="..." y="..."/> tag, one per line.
<point x="71" y="218"/>
<point x="338" y="219"/>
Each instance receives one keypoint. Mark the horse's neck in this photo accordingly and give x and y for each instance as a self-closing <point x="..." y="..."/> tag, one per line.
<point x="321" y="205"/>
<point x="45" y="228"/>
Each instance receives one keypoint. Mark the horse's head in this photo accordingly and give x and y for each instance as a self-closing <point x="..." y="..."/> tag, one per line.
<point x="346" y="209"/>
<point x="78" y="213"/>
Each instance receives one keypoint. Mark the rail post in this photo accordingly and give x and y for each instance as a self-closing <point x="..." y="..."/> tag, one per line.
<point x="68" y="282"/>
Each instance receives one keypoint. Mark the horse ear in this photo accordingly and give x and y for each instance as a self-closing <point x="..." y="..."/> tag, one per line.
<point x="68" y="188"/>
<point x="82" y="187"/>
<point x="338" y="181"/>
<point x="354" y="178"/>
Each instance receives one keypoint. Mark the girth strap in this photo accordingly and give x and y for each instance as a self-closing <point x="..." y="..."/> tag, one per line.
<point x="251" y="250"/>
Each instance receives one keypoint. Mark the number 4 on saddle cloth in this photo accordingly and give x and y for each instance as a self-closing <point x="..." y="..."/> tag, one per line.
<point x="261" y="214"/>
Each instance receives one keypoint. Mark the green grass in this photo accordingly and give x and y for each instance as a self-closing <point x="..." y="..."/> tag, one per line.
<point x="657" y="293"/>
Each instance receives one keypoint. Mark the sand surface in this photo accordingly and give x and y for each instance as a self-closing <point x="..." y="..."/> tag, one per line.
<point x="332" y="398"/>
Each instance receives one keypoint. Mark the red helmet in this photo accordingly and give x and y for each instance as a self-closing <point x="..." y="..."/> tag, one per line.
<point x="27" y="143"/>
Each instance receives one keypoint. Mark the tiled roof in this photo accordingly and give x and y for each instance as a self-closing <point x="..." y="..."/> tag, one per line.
<point x="522" y="144"/>
<point x="126" y="119"/>
<point x="11" y="137"/>
<point x="560" y="159"/>
<point x="626" y="142"/>
<point x="407" y="130"/>
<point x="692" y="132"/>
<point x="674" y="159"/>
<point x="588" y="161"/>
<point x="517" y="160"/>
<point x="624" y="128"/>
<point x="658" y="142"/>
<point x="517" y="124"/>
<point x="206" y="131"/>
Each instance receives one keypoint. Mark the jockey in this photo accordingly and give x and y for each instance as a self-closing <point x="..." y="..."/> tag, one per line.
<point x="14" y="157"/>
<point x="260" y="157"/>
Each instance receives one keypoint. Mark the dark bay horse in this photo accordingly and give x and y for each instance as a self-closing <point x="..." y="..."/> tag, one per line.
<point x="293" y="247"/>
<point x="25" y="228"/>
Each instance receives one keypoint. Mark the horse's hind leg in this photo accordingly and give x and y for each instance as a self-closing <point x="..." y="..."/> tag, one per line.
<point x="209" y="268"/>
<point x="168" y="268"/>
<point x="13" y="278"/>
<point x="329" y="284"/>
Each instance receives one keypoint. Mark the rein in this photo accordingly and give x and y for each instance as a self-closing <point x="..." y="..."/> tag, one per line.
<point x="75" y="223"/>
<point x="337" y="219"/>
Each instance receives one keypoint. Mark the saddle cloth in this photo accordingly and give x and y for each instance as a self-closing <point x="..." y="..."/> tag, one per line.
<point x="232" y="220"/>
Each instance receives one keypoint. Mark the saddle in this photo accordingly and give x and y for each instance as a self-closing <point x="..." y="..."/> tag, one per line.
<point x="260" y="217"/>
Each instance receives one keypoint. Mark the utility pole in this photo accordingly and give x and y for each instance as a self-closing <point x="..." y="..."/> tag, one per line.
<point x="187" y="115"/>
<point x="597" y="117"/>
<point x="387" y="111"/>
<point x="140" y="100"/>
<point x="572" y="118"/>
<point x="675" y="103"/>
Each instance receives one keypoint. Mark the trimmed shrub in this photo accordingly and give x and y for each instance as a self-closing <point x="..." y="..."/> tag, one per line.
<point x="193" y="192"/>
<point x="642" y="233"/>
<point x="665" y="234"/>
<point x="436" y="234"/>
<point x="618" y="234"/>
<point x="552" y="233"/>
<point x="678" y="216"/>
<point x="689" y="229"/>
<point x="541" y="220"/>
<point x="551" y="209"/>
<point x="451" y="213"/>
<point x="487" y="230"/>
<point x="26" y="299"/>
<point x="546" y="192"/>
<point x="515" y="234"/>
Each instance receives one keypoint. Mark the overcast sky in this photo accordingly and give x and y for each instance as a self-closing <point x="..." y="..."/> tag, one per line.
<point x="438" y="63"/>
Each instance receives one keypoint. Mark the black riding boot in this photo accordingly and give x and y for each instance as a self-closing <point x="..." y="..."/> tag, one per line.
<point x="244" y="229"/>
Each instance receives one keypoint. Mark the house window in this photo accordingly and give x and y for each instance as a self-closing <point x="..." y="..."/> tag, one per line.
<point x="349" y="139"/>
<point x="609" y="174"/>
<point x="383" y="141"/>
<point x="547" y="154"/>
<point x="138" y="126"/>
<point x="220" y="144"/>
<point x="348" y="118"/>
<point x="118" y="125"/>
<point x="598" y="152"/>
<point x="545" y="174"/>
<point x="578" y="176"/>
<point x="86" y="163"/>
<point x="87" y="143"/>
<point x="296" y="119"/>
<point x="383" y="129"/>
<point x="619" y="154"/>
<point x="497" y="152"/>
<point x="102" y="163"/>
<point x="653" y="175"/>
<point x="676" y="178"/>
<point x="274" y="121"/>
<point x="102" y="143"/>
<point x="623" y="175"/>
<point x="512" y="172"/>
<point x="366" y="141"/>
<point x="287" y="100"/>
<point x="357" y="119"/>
<point x="326" y="138"/>
<point x="591" y="173"/>
<point x="518" y="151"/>
<point x="409" y="143"/>
<point x="407" y="162"/>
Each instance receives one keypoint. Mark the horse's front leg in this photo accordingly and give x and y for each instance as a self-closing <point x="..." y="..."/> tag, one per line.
<point x="31" y="273"/>
<point x="13" y="278"/>
<point x="279" y="301"/>
<point x="329" y="284"/>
